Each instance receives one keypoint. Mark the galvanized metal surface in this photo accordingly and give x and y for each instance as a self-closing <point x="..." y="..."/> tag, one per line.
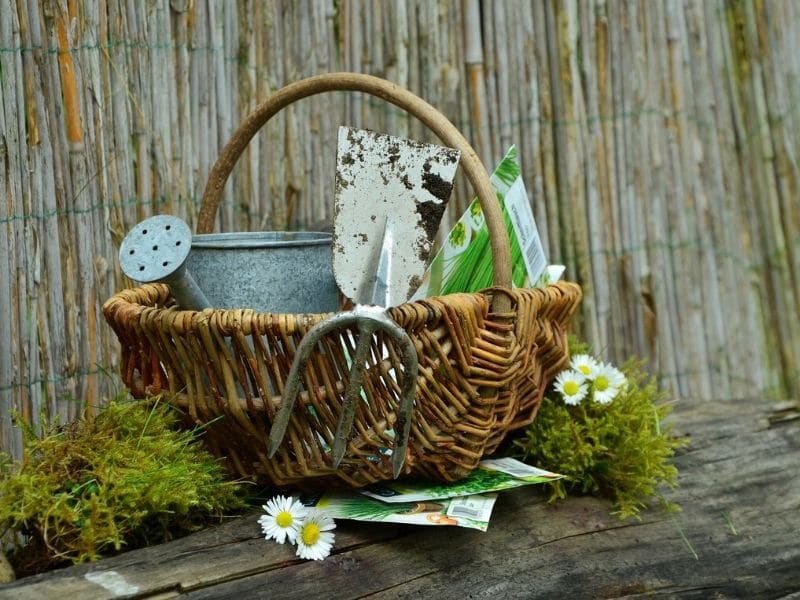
<point x="156" y="249"/>
<point x="268" y="271"/>
<point x="387" y="183"/>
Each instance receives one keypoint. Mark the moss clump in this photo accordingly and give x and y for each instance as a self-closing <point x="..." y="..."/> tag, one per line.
<point x="126" y="478"/>
<point x="619" y="450"/>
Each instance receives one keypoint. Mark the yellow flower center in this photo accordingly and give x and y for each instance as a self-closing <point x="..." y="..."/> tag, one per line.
<point x="584" y="369"/>
<point x="571" y="388"/>
<point x="601" y="384"/>
<point x="310" y="534"/>
<point x="284" y="519"/>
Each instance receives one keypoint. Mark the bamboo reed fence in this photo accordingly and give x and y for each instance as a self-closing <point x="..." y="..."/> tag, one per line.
<point x="659" y="142"/>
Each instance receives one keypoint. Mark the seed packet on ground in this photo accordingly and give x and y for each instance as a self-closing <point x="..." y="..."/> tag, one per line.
<point x="492" y="475"/>
<point x="464" y="263"/>
<point x="466" y="503"/>
<point x="472" y="512"/>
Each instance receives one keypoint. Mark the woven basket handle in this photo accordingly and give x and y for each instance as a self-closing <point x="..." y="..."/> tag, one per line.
<point x="430" y="116"/>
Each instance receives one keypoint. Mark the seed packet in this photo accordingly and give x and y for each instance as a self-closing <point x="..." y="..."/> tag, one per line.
<point x="472" y="512"/>
<point x="464" y="262"/>
<point x="466" y="503"/>
<point x="492" y="475"/>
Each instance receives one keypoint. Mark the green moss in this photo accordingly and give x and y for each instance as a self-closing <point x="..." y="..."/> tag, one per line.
<point x="124" y="479"/>
<point x="621" y="450"/>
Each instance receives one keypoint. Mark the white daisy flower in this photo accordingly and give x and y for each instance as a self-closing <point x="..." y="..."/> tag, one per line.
<point x="605" y="396"/>
<point x="584" y="364"/>
<point x="283" y="519"/>
<point x="572" y="386"/>
<point x="315" y="539"/>
<point x="616" y="378"/>
<point x="608" y="381"/>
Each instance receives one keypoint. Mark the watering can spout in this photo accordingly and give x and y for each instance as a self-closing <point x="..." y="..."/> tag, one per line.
<point x="156" y="250"/>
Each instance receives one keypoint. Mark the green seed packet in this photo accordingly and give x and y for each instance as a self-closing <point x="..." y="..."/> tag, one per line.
<point x="464" y="262"/>
<point x="472" y="512"/>
<point x="466" y="503"/>
<point x="492" y="475"/>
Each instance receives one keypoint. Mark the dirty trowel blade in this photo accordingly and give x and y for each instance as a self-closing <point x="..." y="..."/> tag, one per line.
<point x="385" y="183"/>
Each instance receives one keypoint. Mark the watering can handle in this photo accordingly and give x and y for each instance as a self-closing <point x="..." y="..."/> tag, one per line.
<point x="430" y="117"/>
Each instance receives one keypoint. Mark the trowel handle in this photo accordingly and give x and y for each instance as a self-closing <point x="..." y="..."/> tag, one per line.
<point x="430" y="116"/>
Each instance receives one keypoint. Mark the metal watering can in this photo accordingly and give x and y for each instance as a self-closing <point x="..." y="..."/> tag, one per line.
<point x="268" y="271"/>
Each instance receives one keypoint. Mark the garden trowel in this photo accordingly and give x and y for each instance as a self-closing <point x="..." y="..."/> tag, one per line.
<point x="390" y="195"/>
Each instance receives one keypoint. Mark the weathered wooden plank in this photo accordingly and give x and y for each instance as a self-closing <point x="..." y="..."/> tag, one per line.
<point x="226" y="552"/>
<point x="740" y="517"/>
<point x="740" y="494"/>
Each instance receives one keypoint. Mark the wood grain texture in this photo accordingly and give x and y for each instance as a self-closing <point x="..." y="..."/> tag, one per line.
<point x="658" y="142"/>
<point x="736" y="537"/>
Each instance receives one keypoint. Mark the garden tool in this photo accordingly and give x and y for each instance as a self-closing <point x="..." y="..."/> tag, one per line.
<point x="394" y="190"/>
<point x="156" y="250"/>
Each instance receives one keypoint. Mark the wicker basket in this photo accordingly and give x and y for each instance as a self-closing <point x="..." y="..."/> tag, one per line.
<point x="484" y="359"/>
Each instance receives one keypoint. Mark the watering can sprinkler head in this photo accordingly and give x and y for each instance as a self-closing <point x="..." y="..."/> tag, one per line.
<point x="156" y="250"/>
